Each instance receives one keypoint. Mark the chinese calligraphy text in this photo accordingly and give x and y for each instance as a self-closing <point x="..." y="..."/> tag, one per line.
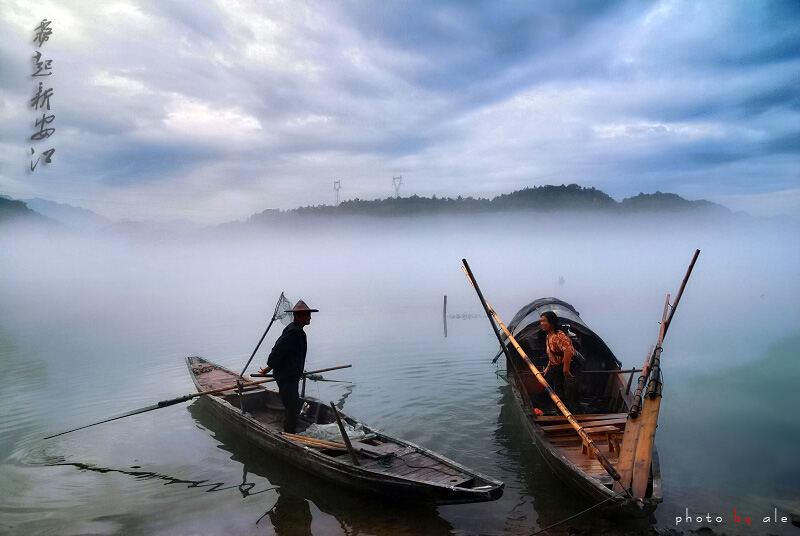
<point x="41" y="99"/>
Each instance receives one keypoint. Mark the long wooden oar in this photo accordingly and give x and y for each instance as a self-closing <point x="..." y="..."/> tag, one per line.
<point x="539" y="376"/>
<point x="186" y="398"/>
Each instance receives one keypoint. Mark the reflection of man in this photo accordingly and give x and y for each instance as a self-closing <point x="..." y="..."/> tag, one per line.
<point x="291" y="516"/>
<point x="287" y="360"/>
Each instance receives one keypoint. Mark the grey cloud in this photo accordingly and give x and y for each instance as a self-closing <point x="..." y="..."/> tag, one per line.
<point x="789" y="143"/>
<point x="783" y="96"/>
<point x="203" y="23"/>
<point x="141" y="163"/>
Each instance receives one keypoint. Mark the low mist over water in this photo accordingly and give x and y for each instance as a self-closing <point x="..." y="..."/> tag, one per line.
<point x="92" y="326"/>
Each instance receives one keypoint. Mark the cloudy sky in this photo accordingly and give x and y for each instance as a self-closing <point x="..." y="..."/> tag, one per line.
<point x="214" y="110"/>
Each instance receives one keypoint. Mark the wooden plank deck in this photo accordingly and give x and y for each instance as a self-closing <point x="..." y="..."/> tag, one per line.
<point x="590" y="466"/>
<point x="417" y="466"/>
<point x="210" y="377"/>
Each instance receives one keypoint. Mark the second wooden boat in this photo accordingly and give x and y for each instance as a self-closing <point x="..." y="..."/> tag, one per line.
<point x="606" y="399"/>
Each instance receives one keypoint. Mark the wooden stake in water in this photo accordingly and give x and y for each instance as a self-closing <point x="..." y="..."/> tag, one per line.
<point x="444" y="315"/>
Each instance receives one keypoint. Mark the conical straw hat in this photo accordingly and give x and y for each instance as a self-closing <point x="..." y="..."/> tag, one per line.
<point x="301" y="307"/>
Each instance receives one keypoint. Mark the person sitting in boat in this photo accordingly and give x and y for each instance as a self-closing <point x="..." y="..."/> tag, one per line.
<point x="288" y="360"/>
<point x="560" y="353"/>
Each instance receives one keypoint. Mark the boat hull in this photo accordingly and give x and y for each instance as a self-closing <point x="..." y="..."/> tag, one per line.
<point x="379" y="482"/>
<point x="614" y="504"/>
<point x="609" y="390"/>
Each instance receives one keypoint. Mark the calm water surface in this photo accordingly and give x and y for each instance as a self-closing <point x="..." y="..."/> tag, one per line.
<point x="93" y="327"/>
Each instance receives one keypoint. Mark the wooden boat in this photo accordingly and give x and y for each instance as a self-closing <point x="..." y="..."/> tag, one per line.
<point x="373" y="463"/>
<point x="606" y="398"/>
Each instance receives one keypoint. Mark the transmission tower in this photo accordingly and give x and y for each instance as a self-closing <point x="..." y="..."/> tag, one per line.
<point x="397" y="181"/>
<point x="336" y="186"/>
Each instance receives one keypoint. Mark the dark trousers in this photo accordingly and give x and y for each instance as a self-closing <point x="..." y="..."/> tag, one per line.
<point x="567" y="389"/>
<point x="290" y="398"/>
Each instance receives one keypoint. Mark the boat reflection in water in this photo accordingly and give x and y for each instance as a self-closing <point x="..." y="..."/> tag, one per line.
<point x="297" y="491"/>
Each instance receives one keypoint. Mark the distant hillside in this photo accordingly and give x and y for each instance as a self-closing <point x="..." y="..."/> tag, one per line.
<point x="76" y="218"/>
<point x="12" y="210"/>
<point x="547" y="198"/>
<point x="668" y="202"/>
<point x="539" y="199"/>
<point x="571" y="198"/>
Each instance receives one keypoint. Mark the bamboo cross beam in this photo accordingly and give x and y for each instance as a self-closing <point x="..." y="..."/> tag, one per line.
<point x="570" y="418"/>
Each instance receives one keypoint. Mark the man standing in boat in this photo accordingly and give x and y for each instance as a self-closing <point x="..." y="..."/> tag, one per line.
<point x="560" y="352"/>
<point x="288" y="360"/>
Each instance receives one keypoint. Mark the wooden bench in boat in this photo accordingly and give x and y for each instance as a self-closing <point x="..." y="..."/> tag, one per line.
<point x="608" y="425"/>
<point x="562" y="435"/>
<point x="587" y="417"/>
<point x="557" y="429"/>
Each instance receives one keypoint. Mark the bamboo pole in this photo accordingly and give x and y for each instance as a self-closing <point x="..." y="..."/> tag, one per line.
<point x="570" y="418"/>
<point x="680" y="292"/>
<point x="637" y="442"/>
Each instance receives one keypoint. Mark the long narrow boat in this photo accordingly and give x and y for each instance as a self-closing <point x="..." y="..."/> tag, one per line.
<point x="606" y="398"/>
<point x="372" y="463"/>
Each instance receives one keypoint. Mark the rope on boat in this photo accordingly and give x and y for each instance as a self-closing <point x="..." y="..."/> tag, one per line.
<point x="579" y="513"/>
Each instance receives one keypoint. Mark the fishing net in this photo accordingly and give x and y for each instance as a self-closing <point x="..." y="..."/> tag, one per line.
<point x="282" y="312"/>
<point x="331" y="432"/>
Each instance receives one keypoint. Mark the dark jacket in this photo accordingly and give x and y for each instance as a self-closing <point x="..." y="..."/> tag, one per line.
<point x="288" y="356"/>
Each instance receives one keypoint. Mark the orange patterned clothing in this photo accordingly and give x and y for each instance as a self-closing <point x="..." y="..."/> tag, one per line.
<point x="559" y="345"/>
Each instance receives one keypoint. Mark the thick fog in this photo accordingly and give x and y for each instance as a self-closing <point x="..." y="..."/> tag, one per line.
<point x="57" y="286"/>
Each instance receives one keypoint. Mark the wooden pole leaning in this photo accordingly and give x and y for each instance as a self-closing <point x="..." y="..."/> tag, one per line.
<point x="186" y="398"/>
<point x="680" y="291"/>
<point x="347" y="444"/>
<point x="665" y="322"/>
<point x="540" y="377"/>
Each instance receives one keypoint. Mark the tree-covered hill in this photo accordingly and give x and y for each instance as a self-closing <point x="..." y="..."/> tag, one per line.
<point x="571" y="198"/>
